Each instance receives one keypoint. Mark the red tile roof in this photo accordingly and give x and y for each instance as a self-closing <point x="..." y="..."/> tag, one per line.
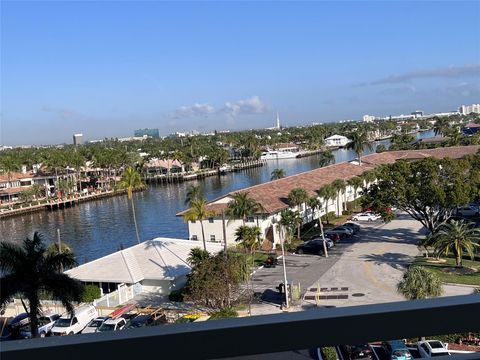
<point x="273" y="195"/>
<point x="14" y="176"/>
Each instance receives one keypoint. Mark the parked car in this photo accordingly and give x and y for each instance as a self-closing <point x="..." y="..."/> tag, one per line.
<point x="349" y="230"/>
<point x="396" y="350"/>
<point x="331" y="236"/>
<point x="18" y="323"/>
<point x="431" y="348"/>
<point x="365" y="217"/>
<point x="140" y="321"/>
<point x="468" y="210"/>
<point x="353" y="226"/>
<point x="94" y="324"/>
<point x="45" y="325"/>
<point x="113" y="325"/>
<point x="311" y="247"/>
<point x="343" y="233"/>
<point x="363" y="351"/>
<point x="67" y="325"/>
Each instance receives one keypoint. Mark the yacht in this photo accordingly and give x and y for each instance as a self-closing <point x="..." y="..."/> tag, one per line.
<point x="277" y="155"/>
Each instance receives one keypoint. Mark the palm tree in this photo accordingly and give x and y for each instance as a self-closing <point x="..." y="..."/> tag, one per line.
<point x="457" y="237"/>
<point x="198" y="211"/>
<point x="277" y="174"/>
<point x="315" y="204"/>
<point x="368" y="177"/>
<point x="419" y="283"/>
<point x="356" y="183"/>
<point x="339" y="187"/>
<point x="441" y="126"/>
<point x="327" y="193"/>
<point x="248" y="237"/>
<point x="297" y="197"/>
<point x="326" y="158"/>
<point x="289" y="220"/>
<point x="193" y="193"/>
<point x="357" y="143"/>
<point x="131" y="181"/>
<point x="242" y="206"/>
<point x="28" y="271"/>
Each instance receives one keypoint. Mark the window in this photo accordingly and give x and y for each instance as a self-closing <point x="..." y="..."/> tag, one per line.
<point x="212" y="237"/>
<point x="250" y="219"/>
<point x="210" y="220"/>
<point x="74" y="321"/>
<point x="193" y="221"/>
<point x="194" y="237"/>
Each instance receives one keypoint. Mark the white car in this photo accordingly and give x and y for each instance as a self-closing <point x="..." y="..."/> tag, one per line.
<point x="113" y="325"/>
<point x="94" y="325"/>
<point x="468" y="210"/>
<point x="431" y="348"/>
<point x="365" y="217"/>
<point x="45" y="325"/>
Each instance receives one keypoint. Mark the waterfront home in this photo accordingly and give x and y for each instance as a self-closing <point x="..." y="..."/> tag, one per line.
<point x="471" y="129"/>
<point x="273" y="195"/>
<point x="156" y="266"/>
<point x="336" y="141"/>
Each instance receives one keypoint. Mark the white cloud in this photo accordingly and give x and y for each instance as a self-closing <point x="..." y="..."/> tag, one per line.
<point x="253" y="105"/>
<point x="193" y="110"/>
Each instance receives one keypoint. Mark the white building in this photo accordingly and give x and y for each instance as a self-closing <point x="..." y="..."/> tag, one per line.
<point x="77" y="139"/>
<point x="337" y="140"/>
<point x="467" y="109"/>
<point x="368" y="118"/>
<point x="154" y="266"/>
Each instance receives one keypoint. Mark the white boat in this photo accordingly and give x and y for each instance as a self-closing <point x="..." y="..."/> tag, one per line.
<point x="277" y="155"/>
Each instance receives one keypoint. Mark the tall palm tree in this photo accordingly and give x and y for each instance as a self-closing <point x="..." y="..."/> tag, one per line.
<point x="419" y="283"/>
<point x="357" y="143"/>
<point x="457" y="237"/>
<point x="198" y="212"/>
<point x="368" y="177"/>
<point x="326" y="158"/>
<point x="28" y="271"/>
<point x="289" y="220"/>
<point x="297" y="197"/>
<point x="327" y="193"/>
<point x="131" y="181"/>
<point x="242" y="206"/>
<point x="248" y="237"/>
<point x="193" y="192"/>
<point x="277" y="174"/>
<point x="441" y="126"/>
<point x="356" y="183"/>
<point x="315" y="204"/>
<point x="339" y="187"/>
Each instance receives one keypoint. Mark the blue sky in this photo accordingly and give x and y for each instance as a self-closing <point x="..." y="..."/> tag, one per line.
<point x="106" y="68"/>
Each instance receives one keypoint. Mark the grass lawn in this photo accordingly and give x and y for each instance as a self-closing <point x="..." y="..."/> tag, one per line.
<point x="259" y="258"/>
<point x="438" y="268"/>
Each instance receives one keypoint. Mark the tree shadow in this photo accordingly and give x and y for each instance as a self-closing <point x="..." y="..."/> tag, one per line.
<point x="397" y="261"/>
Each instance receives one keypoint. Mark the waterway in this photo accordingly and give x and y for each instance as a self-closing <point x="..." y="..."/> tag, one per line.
<point x="97" y="228"/>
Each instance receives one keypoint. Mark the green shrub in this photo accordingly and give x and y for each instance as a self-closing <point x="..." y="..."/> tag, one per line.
<point x="346" y="212"/>
<point x="90" y="293"/>
<point x="176" y="296"/>
<point x="223" y="313"/>
<point x="330" y="353"/>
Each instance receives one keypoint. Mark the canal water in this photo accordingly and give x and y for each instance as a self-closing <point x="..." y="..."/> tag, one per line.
<point x="97" y="228"/>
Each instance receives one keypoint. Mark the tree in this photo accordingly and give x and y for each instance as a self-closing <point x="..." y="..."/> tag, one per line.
<point x="441" y="127"/>
<point x="248" y="237"/>
<point x="242" y="206"/>
<point x="380" y="148"/>
<point x="297" y="197"/>
<point x="131" y="181"/>
<point x="457" y="237"/>
<point x="277" y="174"/>
<point x="327" y="193"/>
<point x="199" y="212"/>
<point x="356" y="183"/>
<point x="339" y="186"/>
<point x="358" y="141"/>
<point x="29" y="271"/>
<point x="315" y="204"/>
<point x="428" y="189"/>
<point x="193" y="193"/>
<point x="326" y="158"/>
<point x="401" y="142"/>
<point x="419" y="283"/>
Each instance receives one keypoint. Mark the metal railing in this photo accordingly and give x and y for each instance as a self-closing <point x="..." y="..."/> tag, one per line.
<point x="266" y="334"/>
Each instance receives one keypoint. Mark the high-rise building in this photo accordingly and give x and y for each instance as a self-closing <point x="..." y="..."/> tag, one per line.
<point x="467" y="109"/>
<point x="278" y="121"/>
<point x="77" y="139"/>
<point x="149" y="132"/>
<point x="368" y="118"/>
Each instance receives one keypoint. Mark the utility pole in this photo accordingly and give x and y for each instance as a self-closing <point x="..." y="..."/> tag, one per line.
<point x="284" y="270"/>
<point x="59" y="247"/>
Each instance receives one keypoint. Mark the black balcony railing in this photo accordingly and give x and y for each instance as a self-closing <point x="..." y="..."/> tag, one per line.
<point x="265" y="334"/>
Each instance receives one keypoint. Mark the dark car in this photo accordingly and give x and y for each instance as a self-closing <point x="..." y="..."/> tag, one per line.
<point x="311" y="247"/>
<point x="363" y="351"/>
<point x="396" y="350"/>
<point x="140" y="321"/>
<point x="340" y="232"/>
<point x="333" y="237"/>
<point x="353" y="226"/>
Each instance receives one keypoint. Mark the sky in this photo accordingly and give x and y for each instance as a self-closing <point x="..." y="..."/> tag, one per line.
<point x="107" y="68"/>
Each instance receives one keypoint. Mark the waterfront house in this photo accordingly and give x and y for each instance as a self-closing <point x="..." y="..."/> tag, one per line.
<point x="471" y="129"/>
<point x="273" y="195"/>
<point x="336" y="141"/>
<point x="155" y="266"/>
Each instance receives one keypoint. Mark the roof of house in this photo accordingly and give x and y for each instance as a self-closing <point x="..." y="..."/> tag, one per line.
<point x="336" y="137"/>
<point x="157" y="259"/>
<point x="15" y="176"/>
<point x="273" y="195"/>
<point x="161" y="163"/>
<point x="472" y="125"/>
<point x="12" y="190"/>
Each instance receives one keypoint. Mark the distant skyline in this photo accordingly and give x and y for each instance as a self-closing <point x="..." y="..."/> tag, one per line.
<point x="107" y="68"/>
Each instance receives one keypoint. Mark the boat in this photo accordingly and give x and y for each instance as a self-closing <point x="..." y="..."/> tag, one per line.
<point x="225" y="168"/>
<point x="278" y="155"/>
